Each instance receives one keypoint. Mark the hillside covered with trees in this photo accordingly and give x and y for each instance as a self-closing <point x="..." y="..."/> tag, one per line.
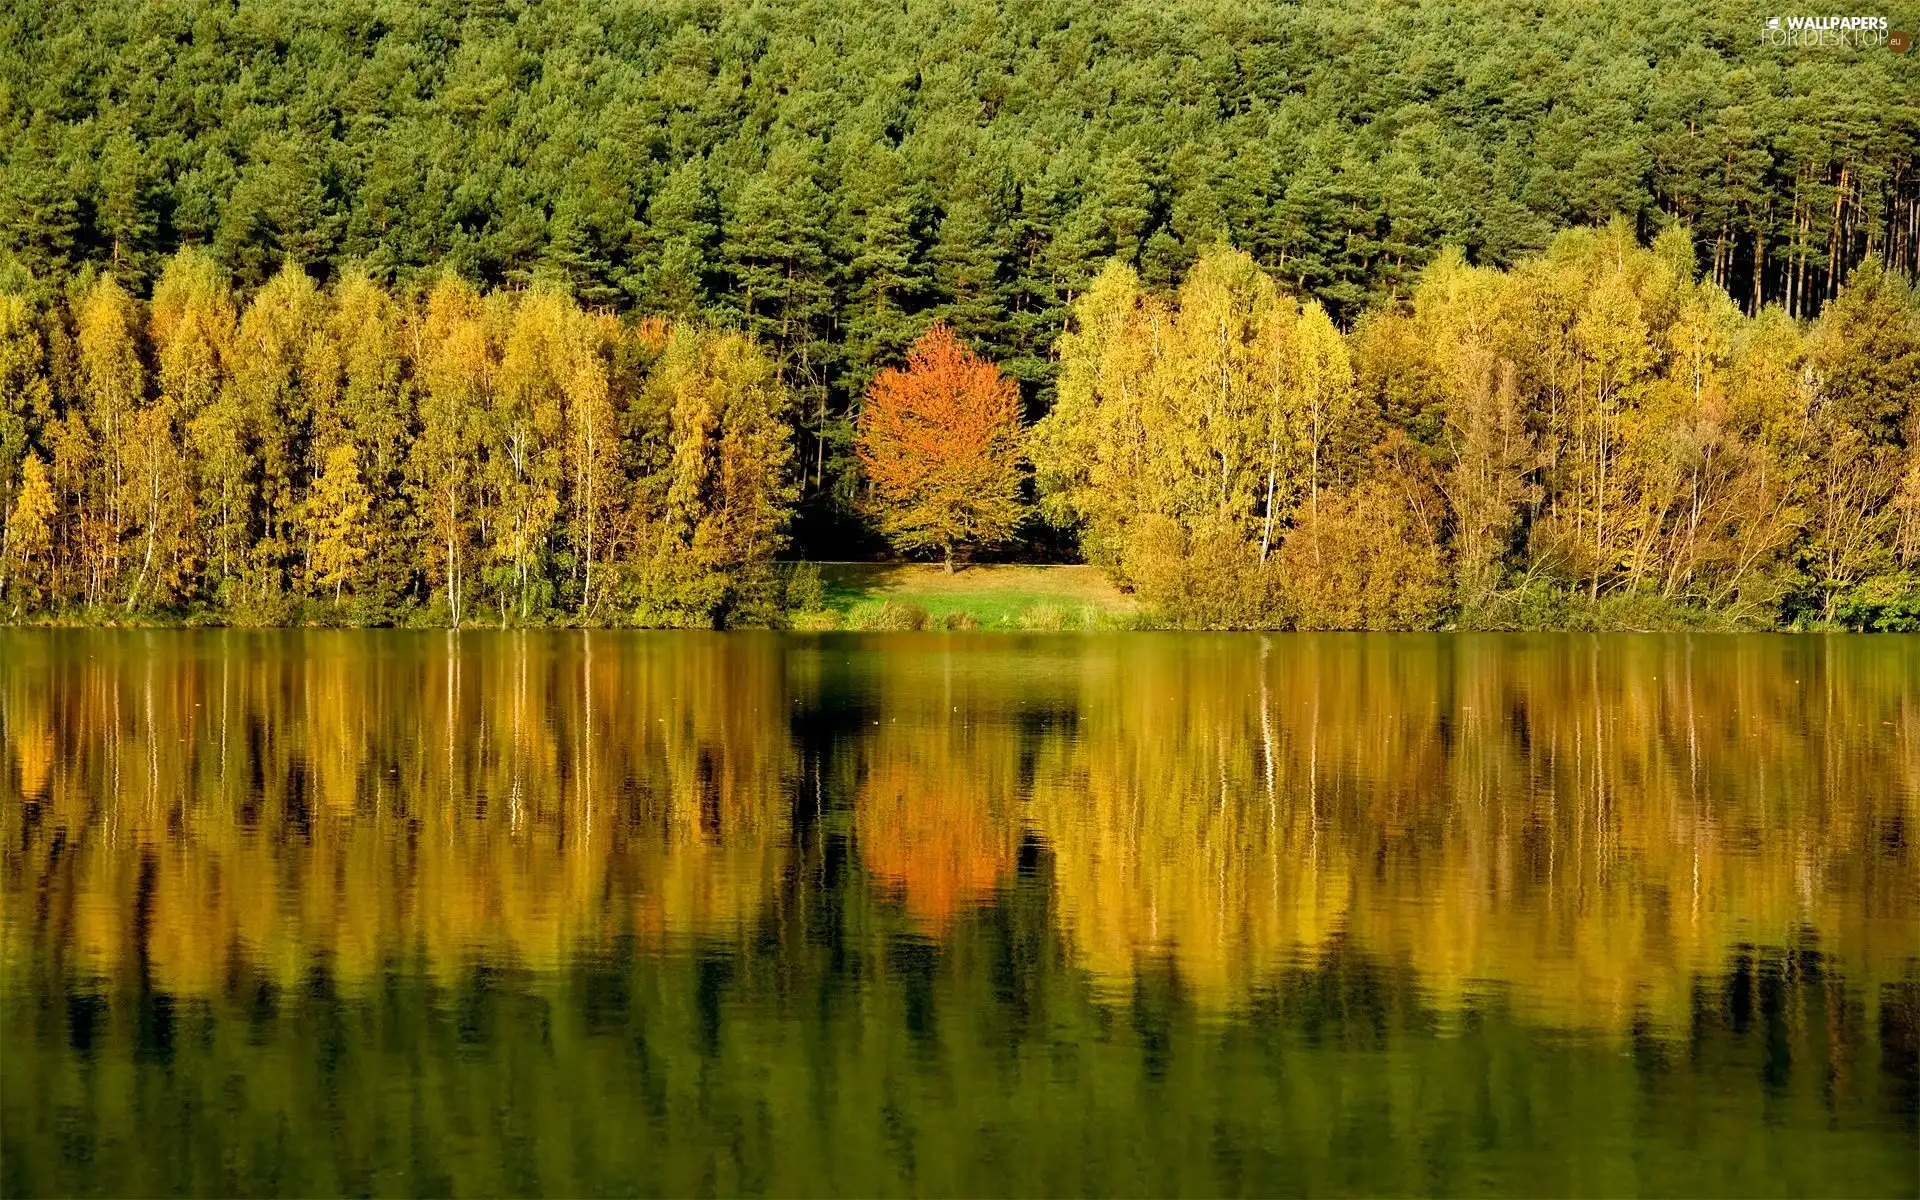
<point x="571" y="309"/>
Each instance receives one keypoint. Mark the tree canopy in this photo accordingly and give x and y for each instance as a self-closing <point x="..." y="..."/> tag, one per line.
<point x="442" y="455"/>
<point x="940" y="443"/>
<point x="831" y="178"/>
<point x="1597" y="423"/>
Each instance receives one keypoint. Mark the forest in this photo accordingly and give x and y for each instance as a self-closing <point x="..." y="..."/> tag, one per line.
<point x="572" y="311"/>
<point x="1596" y="436"/>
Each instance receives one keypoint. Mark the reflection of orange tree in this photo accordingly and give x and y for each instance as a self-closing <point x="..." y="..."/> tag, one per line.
<point x="516" y="796"/>
<point x="935" y="829"/>
<point x="937" y="812"/>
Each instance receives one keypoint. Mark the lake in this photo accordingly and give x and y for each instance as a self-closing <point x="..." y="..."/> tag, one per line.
<point x="315" y="912"/>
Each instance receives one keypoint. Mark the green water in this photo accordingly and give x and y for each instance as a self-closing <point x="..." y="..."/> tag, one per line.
<point x="308" y="913"/>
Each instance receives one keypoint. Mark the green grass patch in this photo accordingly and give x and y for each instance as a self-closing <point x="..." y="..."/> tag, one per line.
<point x="890" y="596"/>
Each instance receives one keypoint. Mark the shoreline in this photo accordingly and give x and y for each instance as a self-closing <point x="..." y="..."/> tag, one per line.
<point x="905" y="597"/>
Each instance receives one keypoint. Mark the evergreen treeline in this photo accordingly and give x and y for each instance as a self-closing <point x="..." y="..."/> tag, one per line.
<point x="832" y="177"/>
<point x="1597" y="435"/>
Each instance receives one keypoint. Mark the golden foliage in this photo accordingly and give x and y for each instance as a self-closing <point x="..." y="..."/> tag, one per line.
<point x="1363" y="559"/>
<point x="1187" y="431"/>
<point x="1585" y="825"/>
<point x="706" y="542"/>
<point x="940" y="445"/>
<point x="285" y="797"/>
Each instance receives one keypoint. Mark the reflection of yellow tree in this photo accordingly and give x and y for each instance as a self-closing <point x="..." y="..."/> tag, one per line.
<point x="1588" y="824"/>
<point x="1585" y="822"/>
<point x="1671" y="800"/>
<point x="1172" y="820"/>
<point x="283" y="798"/>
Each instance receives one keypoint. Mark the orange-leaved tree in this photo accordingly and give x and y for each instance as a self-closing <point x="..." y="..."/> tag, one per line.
<point x="941" y="444"/>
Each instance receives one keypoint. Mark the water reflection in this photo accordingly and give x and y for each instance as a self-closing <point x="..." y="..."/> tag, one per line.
<point x="315" y="912"/>
<point x="1590" y="821"/>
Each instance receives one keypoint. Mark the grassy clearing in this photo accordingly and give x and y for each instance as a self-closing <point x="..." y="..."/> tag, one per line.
<point x="881" y="597"/>
<point x="894" y="596"/>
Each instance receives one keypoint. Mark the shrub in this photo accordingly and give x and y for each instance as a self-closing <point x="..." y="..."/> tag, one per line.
<point x="816" y="621"/>
<point x="1883" y="604"/>
<point x="755" y="597"/>
<point x="886" y="616"/>
<point x="805" y="590"/>
<point x="1210" y="579"/>
<point x="1127" y="621"/>
<point x="1364" y="560"/>
<point x="1048" y="617"/>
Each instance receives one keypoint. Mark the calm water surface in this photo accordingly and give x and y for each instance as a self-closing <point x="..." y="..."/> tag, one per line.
<point x="312" y="912"/>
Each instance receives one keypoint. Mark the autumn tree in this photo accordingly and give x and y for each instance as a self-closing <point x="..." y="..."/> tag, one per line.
<point x="1091" y="453"/>
<point x="1864" y="354"/>
<point x="1364" y="558"/>
<point x="591" y="452"/>
<point x="941" y="446"/>
<point x="113" y="381"/>
<point x="26" y="394"/>
<point x="523" y="432"/>
<point x="376" y="409"/>
<point x="717" y="512"/>
<point x="457" y="369"/>
<point x="28" y="540"/>
<point x="142" y="499"/>
<point x="335" y="515"/>
<point x="1189" y="431"/>
<point x="263" y="425"/>
<point x="1459" y="335"/>
<point x="191" y="321"/>
<point x="192" y="325"/>
<point x="159" y="501"/>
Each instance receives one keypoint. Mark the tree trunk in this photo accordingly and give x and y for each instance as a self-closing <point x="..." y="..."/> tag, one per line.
<point x="153" y="512"/>
<point x="1266" y="525"/>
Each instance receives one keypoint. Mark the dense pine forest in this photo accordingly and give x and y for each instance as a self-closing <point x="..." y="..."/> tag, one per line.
<point x="1396" y="315"/>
